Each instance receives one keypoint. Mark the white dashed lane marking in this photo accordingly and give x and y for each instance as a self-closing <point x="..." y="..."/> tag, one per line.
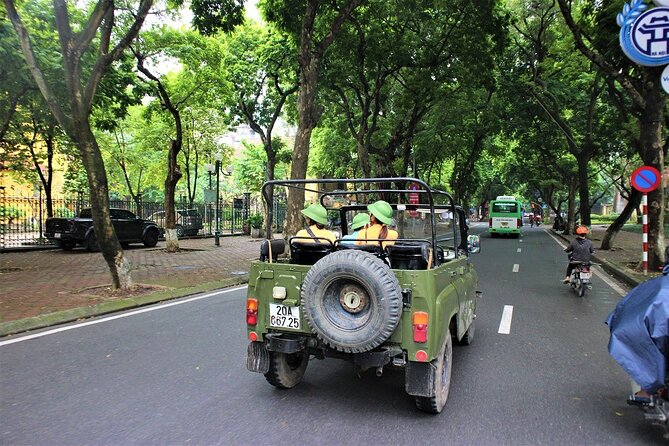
<point x="505" y="323"/>
<point x="516" y="267"/>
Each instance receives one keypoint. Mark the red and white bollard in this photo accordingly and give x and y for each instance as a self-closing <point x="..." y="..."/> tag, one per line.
<point x="644" y="221"/>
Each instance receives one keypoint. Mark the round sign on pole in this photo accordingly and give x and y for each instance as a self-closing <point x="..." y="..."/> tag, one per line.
<point x="646" y="179"/>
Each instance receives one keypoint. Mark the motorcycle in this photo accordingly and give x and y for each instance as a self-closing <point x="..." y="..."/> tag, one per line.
<point x="655" y="408"/>
<point x="579" y="280"/>
<point x="639" y="334"/>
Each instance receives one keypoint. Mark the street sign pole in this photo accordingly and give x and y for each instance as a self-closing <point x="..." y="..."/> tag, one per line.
<point x="644" y="221"/>
<point x="645" y="179"/>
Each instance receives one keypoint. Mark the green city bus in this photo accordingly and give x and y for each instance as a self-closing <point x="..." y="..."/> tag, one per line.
<point x="505" y="216"/>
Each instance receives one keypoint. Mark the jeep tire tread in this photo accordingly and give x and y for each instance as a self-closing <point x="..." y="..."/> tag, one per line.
<point x="352" y="300"/>
<point x="286" y="370"/>
<point x="442" y="379"/>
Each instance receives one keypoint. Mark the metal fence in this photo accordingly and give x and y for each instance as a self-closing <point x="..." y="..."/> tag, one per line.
<point x="22" y="219"/>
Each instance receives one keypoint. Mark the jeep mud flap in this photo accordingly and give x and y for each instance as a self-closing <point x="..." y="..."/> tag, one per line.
<point x="258" y="358"/>
<point x="419" y="378"/>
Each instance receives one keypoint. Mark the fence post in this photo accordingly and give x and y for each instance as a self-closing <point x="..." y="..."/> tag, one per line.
<point x="3" y="216"/>
<point x="77" y="208"/>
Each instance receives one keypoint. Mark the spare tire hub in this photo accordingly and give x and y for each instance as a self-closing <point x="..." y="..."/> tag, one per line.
<point x="353" y="299"/>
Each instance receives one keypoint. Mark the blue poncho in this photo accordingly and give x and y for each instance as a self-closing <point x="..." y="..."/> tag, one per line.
<point x="640" y="333"/>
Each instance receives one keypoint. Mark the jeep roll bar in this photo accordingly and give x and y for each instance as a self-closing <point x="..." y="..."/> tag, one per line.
<point x="302" y="185"/>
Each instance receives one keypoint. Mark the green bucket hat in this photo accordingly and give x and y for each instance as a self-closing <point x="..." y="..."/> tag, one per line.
<point x="382" y="211"/>
<point x="359" y="221"/>
<point x="317" y="213"/>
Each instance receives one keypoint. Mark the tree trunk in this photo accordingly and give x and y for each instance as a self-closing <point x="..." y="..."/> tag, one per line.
<point x="571" y="211"/>
<point x="308" y="113"/>
<point x="269" y="174"/>
<point x="584" y="187"/>
<point x="616" y="226"/>
<point x="173" y="176"/>
<point x="650" y="136"/>
<point x="119" y="267"/>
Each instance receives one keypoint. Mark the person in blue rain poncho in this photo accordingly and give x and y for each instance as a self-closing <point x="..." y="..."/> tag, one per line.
<point x="640" y="334"/>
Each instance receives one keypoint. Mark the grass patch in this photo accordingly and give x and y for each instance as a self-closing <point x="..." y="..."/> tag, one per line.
<point x="638" y="228"/>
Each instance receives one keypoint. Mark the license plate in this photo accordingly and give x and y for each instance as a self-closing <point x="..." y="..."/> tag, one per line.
<point x="281" y="316"/>
<point x="56" y="235"/>
<point x="586" y="276"/>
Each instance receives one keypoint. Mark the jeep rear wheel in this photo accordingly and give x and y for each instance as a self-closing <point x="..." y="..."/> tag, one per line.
<point x="352" y="300"/>
<point x="286" y="370"/>
<point x="442" y="379"/>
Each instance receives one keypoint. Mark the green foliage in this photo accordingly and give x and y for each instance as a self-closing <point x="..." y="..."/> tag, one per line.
<point x="249" y="170"/>
<point x="256" y="220"/>
<point x="11" y="212"/>
<point x="211" y="16"/>
<point x="598" y="219"/>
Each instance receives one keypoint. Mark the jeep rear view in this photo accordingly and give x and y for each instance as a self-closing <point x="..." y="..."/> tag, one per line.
<point x="376" y="304"/>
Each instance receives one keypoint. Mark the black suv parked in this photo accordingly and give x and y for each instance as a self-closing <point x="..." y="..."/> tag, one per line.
<point x="189" y="221"/>
<point x="68" y="232"/>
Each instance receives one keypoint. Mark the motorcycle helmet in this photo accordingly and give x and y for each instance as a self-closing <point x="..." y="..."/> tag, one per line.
<point x="581" y="230"/>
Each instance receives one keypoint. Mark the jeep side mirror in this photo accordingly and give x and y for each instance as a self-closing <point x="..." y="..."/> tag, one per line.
<point x="473" y="244"/>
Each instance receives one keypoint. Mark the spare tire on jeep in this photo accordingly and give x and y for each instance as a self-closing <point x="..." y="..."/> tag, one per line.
<point x="352" y="300"/>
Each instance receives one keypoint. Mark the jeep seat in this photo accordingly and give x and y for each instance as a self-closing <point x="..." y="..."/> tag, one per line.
<point x="407" y="256"/>
<point x="304" y="252"/>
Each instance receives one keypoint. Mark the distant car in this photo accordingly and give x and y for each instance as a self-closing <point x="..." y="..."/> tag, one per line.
<point x="189" y="221"/>
<point x="70" y="232"/>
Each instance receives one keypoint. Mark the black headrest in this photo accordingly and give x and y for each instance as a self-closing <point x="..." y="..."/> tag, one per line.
<point x="309" y="244"/>
<point x="278" y="248"/>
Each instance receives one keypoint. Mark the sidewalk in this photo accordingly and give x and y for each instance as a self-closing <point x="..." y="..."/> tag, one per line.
<point x="44" y="287"/>
<point x="48" y="287"/>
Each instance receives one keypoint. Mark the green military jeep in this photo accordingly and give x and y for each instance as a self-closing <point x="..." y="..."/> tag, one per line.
<point x="376" y="305"/>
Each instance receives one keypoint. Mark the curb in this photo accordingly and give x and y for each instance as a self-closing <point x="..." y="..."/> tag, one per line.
<point x="74" y="314"/>
<point x="612" y="268"/>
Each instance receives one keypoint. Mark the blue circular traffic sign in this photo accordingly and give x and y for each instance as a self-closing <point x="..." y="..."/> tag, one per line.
<point x="646" y="179"/>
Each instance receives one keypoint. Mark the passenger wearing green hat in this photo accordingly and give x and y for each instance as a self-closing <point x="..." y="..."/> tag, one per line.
<point x="317" y="218"/>
<point x="377" y="230"/>
<point x="359" y="221"/>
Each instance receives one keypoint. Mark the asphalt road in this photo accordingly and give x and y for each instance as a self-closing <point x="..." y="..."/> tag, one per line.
<point x="176" y="374"/>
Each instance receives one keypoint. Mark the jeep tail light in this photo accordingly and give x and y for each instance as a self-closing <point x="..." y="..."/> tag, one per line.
<point x="251" y="311"/>
<point x="420" y="319"/>
<point x="490" y="222"/>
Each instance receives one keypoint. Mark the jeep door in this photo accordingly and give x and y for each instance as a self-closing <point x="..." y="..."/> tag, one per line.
<point x="456" y="270"/>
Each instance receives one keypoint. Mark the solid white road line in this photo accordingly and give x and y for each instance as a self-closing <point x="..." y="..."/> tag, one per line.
<point x="505" y="323"/>
<point x="516" y="267"/>
<point x="118" y="316"/>
<point x="597" y="272"/>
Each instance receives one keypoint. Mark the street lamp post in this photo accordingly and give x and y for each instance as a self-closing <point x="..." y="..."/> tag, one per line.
<point x="227" y="172"/>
